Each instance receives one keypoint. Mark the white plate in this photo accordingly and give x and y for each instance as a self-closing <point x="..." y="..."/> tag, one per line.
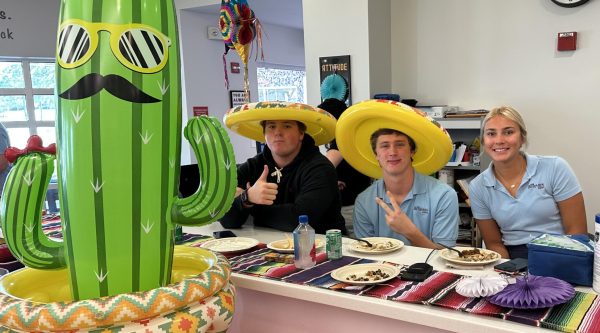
<point x="453" y="257"/>
<point x="283" y="246"/>
<point x="230" y="244"/>
<point x="362" y="247"/>
<point x="341" y="274"/>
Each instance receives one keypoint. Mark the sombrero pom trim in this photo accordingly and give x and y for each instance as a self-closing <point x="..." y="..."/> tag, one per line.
<point x="358" y="122"/>
<point x="245" y="119"/>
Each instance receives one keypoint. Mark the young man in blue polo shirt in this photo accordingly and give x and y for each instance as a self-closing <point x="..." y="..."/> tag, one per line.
<point x="416" y="209"/>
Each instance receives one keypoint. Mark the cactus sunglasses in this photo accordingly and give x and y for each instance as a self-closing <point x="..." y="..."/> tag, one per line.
<point x="138" y="47"/>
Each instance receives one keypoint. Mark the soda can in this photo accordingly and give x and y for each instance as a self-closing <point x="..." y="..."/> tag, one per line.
<point x="333" y="244"/>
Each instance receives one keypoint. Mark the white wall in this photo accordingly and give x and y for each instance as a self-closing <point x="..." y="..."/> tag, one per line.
<point x="359" y="28"/>
<point x="380" y="75"/>
<point x="336" y="27"/>
<point x="486" y="53"/>
<point x="203" y="69"/>
<point x="28" y="28"/>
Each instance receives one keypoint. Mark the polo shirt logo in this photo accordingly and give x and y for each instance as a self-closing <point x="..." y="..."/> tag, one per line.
<point x="421" y="210"/>
<point x="538" y="186"/>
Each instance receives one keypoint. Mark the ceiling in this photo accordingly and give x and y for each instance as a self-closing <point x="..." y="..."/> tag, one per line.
<point x="287" y="13"/>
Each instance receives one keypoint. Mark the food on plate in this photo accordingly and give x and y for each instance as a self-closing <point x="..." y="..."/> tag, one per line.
<point x="377" y="246"/>
<point x="278" y="257"/>
<point x="288" y="244"/>
<point x="371" y="275"/>
<point x="231" y="244"/>
<point x="475" y="255"/>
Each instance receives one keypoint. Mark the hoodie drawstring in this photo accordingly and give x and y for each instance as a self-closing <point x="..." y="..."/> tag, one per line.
<point x="277" y="173"/>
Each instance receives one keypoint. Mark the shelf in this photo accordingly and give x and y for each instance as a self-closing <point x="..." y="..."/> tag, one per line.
<point x="460" y="123"/>
<point x="463" y="167"/>
<point x="465" y="130"/>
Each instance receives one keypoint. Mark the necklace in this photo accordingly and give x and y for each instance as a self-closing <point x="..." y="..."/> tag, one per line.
<point x="513" y="184"/>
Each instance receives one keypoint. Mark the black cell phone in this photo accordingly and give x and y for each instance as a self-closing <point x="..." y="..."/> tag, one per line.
<point x="512" y="266"/>
<point x="223" y="234"/>
<point x="417" y="272"/>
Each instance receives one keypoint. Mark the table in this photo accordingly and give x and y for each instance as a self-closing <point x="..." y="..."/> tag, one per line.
<point x="264" y="305"/>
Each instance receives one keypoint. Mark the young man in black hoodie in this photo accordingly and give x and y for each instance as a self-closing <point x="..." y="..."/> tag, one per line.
<point x="289" y="178"/>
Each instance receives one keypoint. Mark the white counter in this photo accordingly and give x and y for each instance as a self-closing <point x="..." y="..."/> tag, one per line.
<point x="264" y="305"/>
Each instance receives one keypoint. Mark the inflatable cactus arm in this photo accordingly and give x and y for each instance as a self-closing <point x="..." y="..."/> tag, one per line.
<point x="218" y="175"/>
<point x="22" y="202"/>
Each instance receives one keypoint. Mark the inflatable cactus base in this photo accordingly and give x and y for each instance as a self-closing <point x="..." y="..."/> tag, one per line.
<point x="199" y="299"/>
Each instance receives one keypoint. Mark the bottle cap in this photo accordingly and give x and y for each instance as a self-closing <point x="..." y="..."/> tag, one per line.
<point x="598" y="218"/>
<point x="303" y="218"/>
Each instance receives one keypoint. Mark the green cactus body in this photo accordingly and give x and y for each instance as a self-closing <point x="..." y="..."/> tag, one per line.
<point x="119" y="148"/>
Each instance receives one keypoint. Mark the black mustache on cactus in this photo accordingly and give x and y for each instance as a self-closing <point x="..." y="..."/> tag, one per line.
<point x="116" y="85"/>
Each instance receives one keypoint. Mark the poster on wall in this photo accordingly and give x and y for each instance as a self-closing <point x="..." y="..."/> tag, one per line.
<point x="236" y="98"/>
<point x="335" y="78"/>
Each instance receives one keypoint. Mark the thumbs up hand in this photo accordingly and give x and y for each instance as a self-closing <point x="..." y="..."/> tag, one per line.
<point x="262" y="192"/>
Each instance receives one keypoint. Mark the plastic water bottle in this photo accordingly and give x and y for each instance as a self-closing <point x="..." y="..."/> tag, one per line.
<point x="304" y="244"/>
<point x="596" y="283"/>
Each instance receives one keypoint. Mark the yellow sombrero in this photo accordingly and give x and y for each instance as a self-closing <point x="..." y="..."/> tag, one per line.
<point x="358" y="122"/>
<point x="245" y="119"/>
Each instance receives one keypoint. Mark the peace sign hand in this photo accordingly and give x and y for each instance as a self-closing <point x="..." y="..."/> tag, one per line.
<point x="395" y="218"/>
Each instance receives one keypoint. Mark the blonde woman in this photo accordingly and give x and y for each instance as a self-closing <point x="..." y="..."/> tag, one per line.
<point x="520" y="196"/>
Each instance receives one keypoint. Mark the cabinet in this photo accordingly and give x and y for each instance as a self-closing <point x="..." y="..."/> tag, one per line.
<point x="464" y="130"/>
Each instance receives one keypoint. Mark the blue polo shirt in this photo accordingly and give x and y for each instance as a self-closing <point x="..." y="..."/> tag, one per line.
<point x="430" y="204"/>
<point x="534" y="211"/>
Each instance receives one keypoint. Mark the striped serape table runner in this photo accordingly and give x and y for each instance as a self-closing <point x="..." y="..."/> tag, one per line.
<point x="580" y="314"/>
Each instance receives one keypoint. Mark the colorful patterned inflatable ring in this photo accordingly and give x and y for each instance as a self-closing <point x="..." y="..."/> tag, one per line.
<point x="245" y="119"/>
<point x="200" y="296"/>
<point x="358" y="122"/>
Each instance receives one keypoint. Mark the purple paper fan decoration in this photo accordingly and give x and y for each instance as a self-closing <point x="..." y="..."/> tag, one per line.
<point x="533" y="292"/>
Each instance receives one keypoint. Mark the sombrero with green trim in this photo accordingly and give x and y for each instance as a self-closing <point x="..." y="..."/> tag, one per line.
<point x="357" y="124"/>
<point x="245" y="119"/>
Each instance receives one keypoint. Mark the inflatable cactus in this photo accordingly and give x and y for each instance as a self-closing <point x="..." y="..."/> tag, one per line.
<point x="119" y="143"/>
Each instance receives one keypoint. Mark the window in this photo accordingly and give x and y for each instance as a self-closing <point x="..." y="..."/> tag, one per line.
<point x="27" y="100"/>
<point x="281" y="83"/>
<point x="28" y="106"/>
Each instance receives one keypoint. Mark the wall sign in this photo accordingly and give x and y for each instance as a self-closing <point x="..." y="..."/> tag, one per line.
<point x="335" y="78"/>
<point x="24" y="21"/>
<point x="5" y="32"/>
<point x="235" y="67"/>
<point x="200" y="111"/>
<point x="236" y="98"/>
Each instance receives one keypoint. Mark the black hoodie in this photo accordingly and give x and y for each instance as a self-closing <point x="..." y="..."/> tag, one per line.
<point x="308" y="186"/>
